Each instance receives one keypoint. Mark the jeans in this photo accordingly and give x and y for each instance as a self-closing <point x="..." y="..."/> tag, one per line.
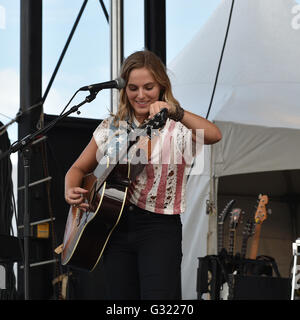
<point x="142" y="259"/>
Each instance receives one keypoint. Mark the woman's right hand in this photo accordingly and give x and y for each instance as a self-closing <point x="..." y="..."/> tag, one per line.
<point x="76" y="197"/>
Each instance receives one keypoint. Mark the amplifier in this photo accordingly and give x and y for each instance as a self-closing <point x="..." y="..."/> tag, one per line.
<point x="252" y="279"/>
<point x="259" y="288"/>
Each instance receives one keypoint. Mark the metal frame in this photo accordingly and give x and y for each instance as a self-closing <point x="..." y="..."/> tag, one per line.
<point x="155" y="27"/>
<point x="296" y="253"/>
<point x="116" y="46"/>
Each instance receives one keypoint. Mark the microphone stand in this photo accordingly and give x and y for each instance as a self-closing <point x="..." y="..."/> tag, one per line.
<point x="17" y="117"/>
<point x="24" y="146"/>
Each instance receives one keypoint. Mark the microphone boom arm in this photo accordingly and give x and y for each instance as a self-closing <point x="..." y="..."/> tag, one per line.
<point x="25" y="141"/>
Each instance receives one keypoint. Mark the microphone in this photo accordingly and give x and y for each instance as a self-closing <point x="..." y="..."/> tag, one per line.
<point x="118" y="83"/>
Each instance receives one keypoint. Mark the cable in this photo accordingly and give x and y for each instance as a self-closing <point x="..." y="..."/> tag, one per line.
<point x="104" y="10"/>
<point x="64" y="50"/>
<point x="220" y="61"/>
<point x="64" y="109"/>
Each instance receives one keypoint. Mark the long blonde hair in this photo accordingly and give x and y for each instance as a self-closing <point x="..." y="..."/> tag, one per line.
<point x="149" y="60"/>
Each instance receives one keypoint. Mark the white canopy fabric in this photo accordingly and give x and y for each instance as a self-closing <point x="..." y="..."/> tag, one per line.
<point x="256" y="106"/>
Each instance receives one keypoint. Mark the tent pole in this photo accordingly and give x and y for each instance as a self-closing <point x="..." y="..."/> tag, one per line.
<point x="212" y="219"/>
<point x="116" y="46"/>
<point x="155" y="27"/>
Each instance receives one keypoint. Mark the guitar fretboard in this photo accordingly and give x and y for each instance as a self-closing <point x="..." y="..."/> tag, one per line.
<point x="244" y="246"/>
<point x="220" y="227"/>
<point x="220" y="236"/>
<point x="255" y="242"/>
<point x="231" y="248"/>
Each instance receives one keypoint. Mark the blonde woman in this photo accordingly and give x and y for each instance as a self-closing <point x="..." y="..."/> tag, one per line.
<point x="142" y="259"/>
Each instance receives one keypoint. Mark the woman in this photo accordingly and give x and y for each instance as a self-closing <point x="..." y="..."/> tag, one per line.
<point x="142" y="259"/>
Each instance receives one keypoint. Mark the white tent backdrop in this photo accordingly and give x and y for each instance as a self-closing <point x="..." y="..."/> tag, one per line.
<point x="257" y="107"/>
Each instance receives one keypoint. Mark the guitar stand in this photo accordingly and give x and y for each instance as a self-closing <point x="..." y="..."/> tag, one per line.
<point x="295" y="277"/>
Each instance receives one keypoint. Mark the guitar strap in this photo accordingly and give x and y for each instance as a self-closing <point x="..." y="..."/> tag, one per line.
<point x="149" y="150"/>
<point x="63" y="280"/>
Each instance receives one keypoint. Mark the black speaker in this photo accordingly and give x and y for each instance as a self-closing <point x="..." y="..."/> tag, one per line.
<point x="10" y="248"/>
<point x="259" y="288"/>
<point x="254" y="279"/>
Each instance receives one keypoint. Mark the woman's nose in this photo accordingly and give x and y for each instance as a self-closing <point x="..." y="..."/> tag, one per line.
<point x="141" y="93"/>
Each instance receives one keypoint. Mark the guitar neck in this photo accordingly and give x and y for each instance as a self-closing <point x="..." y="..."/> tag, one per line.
<point x="255" y="242"/>
<point x="220" y="236"/>
<point x="111" y="166"/>
<point x="244" y="246"/>
<point x="231" y="242"/>
<point x="133" y="138"/>
<point x="220" y="227"/>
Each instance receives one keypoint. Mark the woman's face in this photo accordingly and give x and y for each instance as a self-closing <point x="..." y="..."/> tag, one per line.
<point x="142" y="90"/>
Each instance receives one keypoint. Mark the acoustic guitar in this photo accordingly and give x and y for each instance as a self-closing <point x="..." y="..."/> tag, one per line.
<point x="87" y="233"/>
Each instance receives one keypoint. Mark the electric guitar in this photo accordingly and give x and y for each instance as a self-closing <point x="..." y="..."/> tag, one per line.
<point x="235" y="217"/>
<point x="221" y="218"/>
<point x="260" y="217"/>
<point x="234" y="220"/>
<point x="87" y="233"/>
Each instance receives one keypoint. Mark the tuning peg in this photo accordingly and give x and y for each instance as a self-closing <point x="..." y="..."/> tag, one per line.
<point x="269" y="210"/>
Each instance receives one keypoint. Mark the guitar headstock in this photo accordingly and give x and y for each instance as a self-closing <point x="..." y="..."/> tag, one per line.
<point x="222" y="216"/>
<point x="235" y="217"/>
<point x="145" y="130"/>
<point x="157" y="122"/>
<point x="261" y="212"/>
